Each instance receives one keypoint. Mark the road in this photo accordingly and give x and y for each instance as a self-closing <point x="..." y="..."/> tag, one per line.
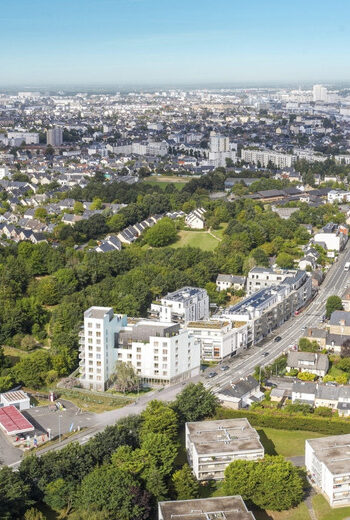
<point x="242" y="366"/>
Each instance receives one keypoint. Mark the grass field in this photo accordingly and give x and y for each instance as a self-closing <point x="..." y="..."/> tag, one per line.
<point x="94" y="403"/>
<point x="298" y="513"/>
<point x="200" y="239"/>
<point x="163" y="181"/>
<point x="285" y="442"/>
<point x="325" y="512"/>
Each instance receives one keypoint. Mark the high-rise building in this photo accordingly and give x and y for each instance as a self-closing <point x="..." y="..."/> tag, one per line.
<point x="218" y="143"/>
<point x="319" y="93"/>
<point x="55" y="136"/>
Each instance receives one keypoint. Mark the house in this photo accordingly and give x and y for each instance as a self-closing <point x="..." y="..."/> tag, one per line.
<point x="312" y="362"/>
<point x="306" y="263"/>
<point x="327" y="461"/>
<point x="196" y="219"/>
<point x="241" y="393"/>
<point x="344" y="401"/>
<point x="228" y="281"/>
<point x="303" y="392"/>
<point x="219" y="508"/>
<point x="346" y="300"/>
<point x="110" y="243"/>
<point x="71" y="219"/>
<point x="212" y="445"/>
<point x="339" y="323"/>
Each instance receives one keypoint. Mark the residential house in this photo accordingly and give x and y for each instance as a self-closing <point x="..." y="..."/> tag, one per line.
<point x="312" y="362"/>
<point x="228" y="281"/>
<point x="241" y="393"/>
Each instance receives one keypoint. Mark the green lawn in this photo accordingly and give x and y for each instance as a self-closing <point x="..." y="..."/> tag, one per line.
<point x="325" y="512"/>
<point x="298" y="513"/>
<point x="285" y="442"/>
<point x="200" y="239"/>
<point x="162" y="182"/>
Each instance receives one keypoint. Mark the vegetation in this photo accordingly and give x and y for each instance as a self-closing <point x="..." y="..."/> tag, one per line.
<point x="333" y="303"/>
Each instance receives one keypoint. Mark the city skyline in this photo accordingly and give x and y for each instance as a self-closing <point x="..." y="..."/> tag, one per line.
<point x="139" y="42"/>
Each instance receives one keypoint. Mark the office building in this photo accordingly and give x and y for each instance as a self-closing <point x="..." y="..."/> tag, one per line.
<point x="212" y="445"/>
<point x="55" y="136"/>
<point x="327" y="461"/>
<point x="213" y="508"/>
<point x="184" y="305"/>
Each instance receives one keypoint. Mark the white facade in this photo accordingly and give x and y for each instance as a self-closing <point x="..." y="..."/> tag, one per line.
<point x="98" y="352"/>
<point x="212" y="445"/>
<point x="27" y="137"/>
<point x="260" y="277"/>
<point x="327" y="461"/>
<point x="196" y="219"/>
<point x="159" y="352"/>
<point x="186" y="304"/>
<point x="219" y="339"/>
<point x="280" y="160"/>
<point x="319" y="93"/>
<point x="333" y="241"/>
<point x="16" y="398"/>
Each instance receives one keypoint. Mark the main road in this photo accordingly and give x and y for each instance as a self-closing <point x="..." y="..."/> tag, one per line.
<point x="243" y="365"/>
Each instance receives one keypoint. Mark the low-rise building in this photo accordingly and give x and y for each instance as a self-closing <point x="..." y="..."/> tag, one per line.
<point x="184" y="305"/>
<point x="228" y="281"/>
<point x="218" y="508"/>
<point x="339" y="323"/>
<point x="327" y="460"/>
<point x="241" y="393"/>
<point x="312" y="362"/>
<point x="17" y="398"/>
<point x="196" y="219"/>
<point x="212" y="445"/>
<point x="334" y="236"/>
<point x="260" y="277"/>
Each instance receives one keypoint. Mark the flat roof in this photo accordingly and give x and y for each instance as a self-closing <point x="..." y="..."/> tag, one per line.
<point x="14" y="397"/>
<point x="183" y="294"/>
<point x="214" y="508"/>
<point x="334" y="452"/>
<point x="13" y="422"/>
<point x="224" y="436"/>
<point x="98" y="312"/>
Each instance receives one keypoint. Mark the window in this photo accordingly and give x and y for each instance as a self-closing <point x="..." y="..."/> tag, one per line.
<point x="98" y="349"/>
<point x="156" y="365"/>
<point x="164" y="365"/>
<point x="90" y="332"/>
<point x="98" y="325"/>
<point x="91" y="376"/>
<point x="91" y="369"/>
<point x="156" y="351"/>
<point x="98" y="334"/>
<point x="165" y="345"/>
<point x="90" y="324"/>
<point x="98" y="342"/>
<point x="139" y="363"/>
<point x="98" y="356"/>
<point x="99" y="363"/>
<point x="165" y="351"/>
<point x="138" y="356"/>
<point x="98" y="378"/>
<point x="165" y="358"/>
<point x="98" y="370"/>
<point x="156" y="371"/>
<point x="90" y="355"/>
<point x="120" y="355"/>
<point x="138" y="349"/>
<point x="156" y="343"/>
<point x="90" y="349"/>
<point x="129" y="356"/>
<point x="90" y="340"/>
<point x="165" y="373"/>
<point x="155" y="358"/>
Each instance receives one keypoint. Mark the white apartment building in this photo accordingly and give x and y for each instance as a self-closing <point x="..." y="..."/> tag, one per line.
<point x="98" y="352"/>
<point x="261" y="277"/>
<point x="159" y="352"/>
<point x="212" y="445"/>
<point x="27" y="137"/>
<point x="213" y="508"/>
<point x="220" y="149"/>
<point x="184" y="305"/>
<point x="219" y="339"/>
<point x="319" y="93"/>
<point x="54" y="136"/>
<point x="327" y="460"/>
<point x="338" y="196"/>
<point x="334" y="241"/>
<point x="218" y="143"/>
<point x="280" y="160"/>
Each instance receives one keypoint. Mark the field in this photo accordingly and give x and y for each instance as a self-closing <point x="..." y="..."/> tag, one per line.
<point x="325" y="512"/>
<point x="201" y="239"/>
<point x="94" y="403"/>
<point x="285" y="442"/>
<point x="163" y="181"/>
<point x="298" y="513"/>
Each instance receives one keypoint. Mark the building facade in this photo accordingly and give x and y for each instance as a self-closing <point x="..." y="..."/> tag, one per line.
<point x="184" y="305"/>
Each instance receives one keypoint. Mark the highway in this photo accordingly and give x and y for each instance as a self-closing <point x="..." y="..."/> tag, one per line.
<point x="243" y="365"/>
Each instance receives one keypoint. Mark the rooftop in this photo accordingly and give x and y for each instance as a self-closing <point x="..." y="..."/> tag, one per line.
<point x="226" y="436"/>
<point x="334" y="452"/>
<point x="98" y="312"/>
<point x="214" y="508"/>
<point x="183" y="294"/>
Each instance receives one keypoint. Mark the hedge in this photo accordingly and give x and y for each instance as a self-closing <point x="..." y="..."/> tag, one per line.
<point x="287" y="422"/>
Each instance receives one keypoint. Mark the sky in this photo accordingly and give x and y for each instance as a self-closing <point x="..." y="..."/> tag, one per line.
<point x="156" y="42"/>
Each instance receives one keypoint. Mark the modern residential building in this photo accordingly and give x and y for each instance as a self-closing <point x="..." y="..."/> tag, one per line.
<point x="98" y="352"/>
<point x="268" y="308"/>
<point x="219" y="339"/>
<point x="327" y="461"/>
<point x="54" y="136"/>
<point x="333" y="236"/>
<point x="213" y="508"/>
<point x="184" y="305"/>
<point x="260" y="277"/>
<point x="264" y="157"/>
<point x="159" y="352"/>
<point x="212" y="445"/>
<point x="312" y="362"/>
<point x="241" y="393"/>
<point x="319" y="93"/>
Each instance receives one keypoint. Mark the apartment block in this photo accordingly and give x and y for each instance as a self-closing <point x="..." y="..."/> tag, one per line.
<point x="219" y="339"/>
<point x="159" y="352"/>
<point x="212" y="445"/>
<point x="98" y="353"/>
<point x="327" y="460"/>
<point x="260" y="277"/>
<point x="264" y="157"/>
<point x="213" y="508"/>
<point x="184" y="305"/>
<point x="55" y="136"/>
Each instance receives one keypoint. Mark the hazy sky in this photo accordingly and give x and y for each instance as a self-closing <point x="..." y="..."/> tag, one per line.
<point x="166" y="41"/>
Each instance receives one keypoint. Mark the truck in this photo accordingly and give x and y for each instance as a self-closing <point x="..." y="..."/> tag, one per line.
<point x="347" y="266"/>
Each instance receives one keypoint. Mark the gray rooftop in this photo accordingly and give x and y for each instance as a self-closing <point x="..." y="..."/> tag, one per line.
<point x="226" y="436"/>
<point x="144" y="330"/>
<point x="98" y="312"/>
<point x="184" y="294"/>
<point x="240" y="388"/>
<point x="306" y="360"/>
<point x="214" y="508"/>
<point x="334" y="452"/>
<point x="340" y="316"/>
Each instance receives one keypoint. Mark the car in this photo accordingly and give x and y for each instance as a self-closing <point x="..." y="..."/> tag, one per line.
<point x="266" y="354"/>
<point x="224" y="368"/>
<point x="212" y="374"/>
<point x="277" y="338"/>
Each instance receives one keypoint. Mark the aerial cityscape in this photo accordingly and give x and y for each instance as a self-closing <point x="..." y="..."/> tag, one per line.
<point x="175" y="261"/>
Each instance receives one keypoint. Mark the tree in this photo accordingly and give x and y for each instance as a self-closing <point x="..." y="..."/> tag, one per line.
<point x="195" y="403"/>
<point x="285" y="260"/>
<point x="162" y="450"/>
<point x="47" y="291"/>
<point x="116" y="222"/>
<point x="58" y="494"/>
<point x="108" y="488"/>
<point x="14" y="494"/>
<point x="333" y="303"/>
<point x="78" y="208"/>
<point x="306" y="376"/>
<point x="185" y="484"/>
<point x="270" y="483"/>
<point x="96" y="204"/>
<point x="40" y="214"/>
<point x="343" y="364"/>
<point x="305" y="345"/>
<point x="33" y="514"/>
<point x="161" y="234"/>
<point x="126" y="380"/>
<point x="159" y="418"/>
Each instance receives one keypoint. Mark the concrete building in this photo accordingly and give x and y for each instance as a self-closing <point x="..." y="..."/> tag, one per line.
<point x="26" y="137"/>
<point x="332" y="236"/>
<point x="339" y="323"/>
<point x="319" y="93"/>
<point x="327" y="461"/>
<point x="312" y="362"/>
<point x="98" y="353"/>
<point x="54" y="136"/>
<point x="219" y="339"/>
<point x="213" y="508"/>
<point x="264" y="157"/>
<point x="260" y="277"/>
<point x="159" y="352"/>
<point x="212" y="445"/>
<point x="184" y="305"/>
